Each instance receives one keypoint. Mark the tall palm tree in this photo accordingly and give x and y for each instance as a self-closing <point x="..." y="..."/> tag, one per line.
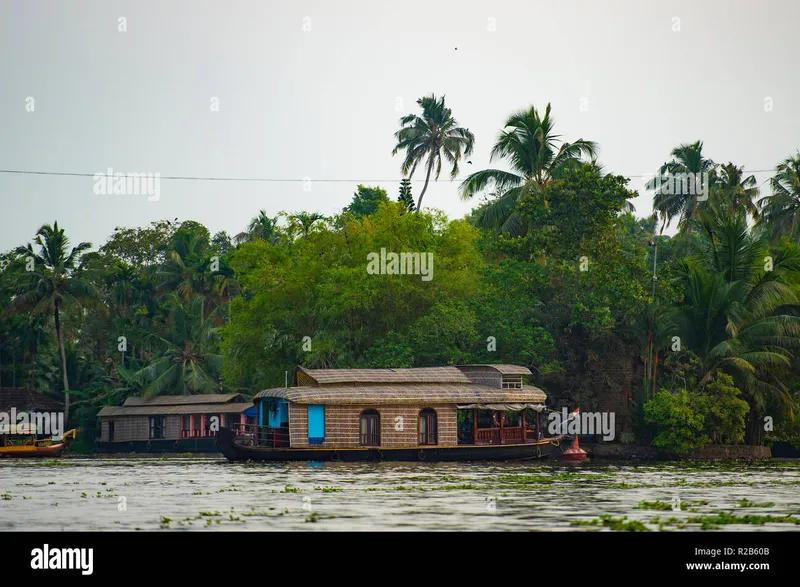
<point x="425" y="138"/>
<point x="686" y="158"/>
<point x="52" y="285"/>
<point x="780" y="212"/>
<point x="189" y="361"/>
<point x="528" y="144"/>
<point x="731" y="186"/>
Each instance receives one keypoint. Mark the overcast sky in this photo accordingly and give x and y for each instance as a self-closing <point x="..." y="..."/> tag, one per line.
<point x="324" y="103"/>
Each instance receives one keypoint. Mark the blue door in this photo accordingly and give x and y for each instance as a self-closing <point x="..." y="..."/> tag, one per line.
<point x="316" y="424"/>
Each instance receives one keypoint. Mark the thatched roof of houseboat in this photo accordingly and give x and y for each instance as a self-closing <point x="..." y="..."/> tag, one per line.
<point x="313" y="377"/>
<point x="502" y="369"/>
<point x="212" y="403"/>
<point x="423" y="393"/>
<point x="27" y="400"/>
<point x="181" y="400"/>
<point x="162" y="410"/>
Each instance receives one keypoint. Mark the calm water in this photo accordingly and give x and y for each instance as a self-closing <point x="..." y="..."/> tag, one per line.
<point x="198" y="494"/>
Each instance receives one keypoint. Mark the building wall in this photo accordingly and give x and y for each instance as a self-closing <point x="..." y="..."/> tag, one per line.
<point x="173" y="429"/>
<point x="128" y="428"/>
<point x="342" y="425"/>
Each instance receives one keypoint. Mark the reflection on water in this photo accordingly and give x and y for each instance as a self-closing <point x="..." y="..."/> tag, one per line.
<point x="112" y="493"/>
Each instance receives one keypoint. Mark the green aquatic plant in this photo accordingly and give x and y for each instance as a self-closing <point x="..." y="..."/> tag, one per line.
<point x="653" y="505"/>
<point x="746" y="503"/>
<point x="615" y="524"/>
<point x="725" y="518"/>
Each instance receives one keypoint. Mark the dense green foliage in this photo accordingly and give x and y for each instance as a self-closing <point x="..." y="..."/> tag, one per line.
<point x="689" y="340"/>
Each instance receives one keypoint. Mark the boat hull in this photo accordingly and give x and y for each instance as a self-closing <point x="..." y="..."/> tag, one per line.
<point x="235" y="451"/>
<point x="31" y="452"/>
<point x="183" y="445"/>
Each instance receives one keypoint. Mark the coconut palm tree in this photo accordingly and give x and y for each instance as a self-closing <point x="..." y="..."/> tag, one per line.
<point x="686" y="158"/>
<point x="731" y="186"/>
<point x="261" y="227"/>
<point x="532" y="150"/>
<point x="425" y="138"/>
<point x="780" y="212"/>
<point x="739" y="317"/>
<point x="187" y="267"/>
<point x="188" y="361"/>
<point x="51" y="285"/>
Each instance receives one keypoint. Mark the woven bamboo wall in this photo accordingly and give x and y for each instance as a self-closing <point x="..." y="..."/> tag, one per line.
<point x="342" y="425"/>
<point x="128" y="428"/>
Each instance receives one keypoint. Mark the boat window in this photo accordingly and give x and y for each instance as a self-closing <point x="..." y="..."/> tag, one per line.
<point x="157" y="426"/>
<point x="428" y="428"/>
<point x="370" y="428"/>
<point x="316" y="424"/>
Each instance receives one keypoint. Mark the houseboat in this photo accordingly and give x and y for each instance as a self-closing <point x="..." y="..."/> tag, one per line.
<point x="171" y="423"/>
<point x="23" y="441"/>
<point x="469" y="412"/>
<point x="31" y="425"/>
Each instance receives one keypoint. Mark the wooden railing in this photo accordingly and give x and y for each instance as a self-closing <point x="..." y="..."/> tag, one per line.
<point x="255" y="435"/>
<point x="488" y="436"/>
<point x="197" y="433"/>
<point x="499" y="435"/>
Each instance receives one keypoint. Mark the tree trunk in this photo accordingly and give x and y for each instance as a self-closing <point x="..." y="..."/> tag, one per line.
<point x="425" y="187"/>
<point x="63" y="363"/>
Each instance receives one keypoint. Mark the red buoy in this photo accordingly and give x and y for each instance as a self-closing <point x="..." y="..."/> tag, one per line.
<point x="574" y="454"/>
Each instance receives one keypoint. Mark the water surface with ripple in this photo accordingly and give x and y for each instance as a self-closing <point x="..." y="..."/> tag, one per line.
<point x="181" y="493"/>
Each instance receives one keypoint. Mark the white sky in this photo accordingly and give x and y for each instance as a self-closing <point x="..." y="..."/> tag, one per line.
<point x="322" y="103"/>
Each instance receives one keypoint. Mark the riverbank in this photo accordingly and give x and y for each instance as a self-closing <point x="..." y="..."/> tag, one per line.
<point x="712" y="452"/>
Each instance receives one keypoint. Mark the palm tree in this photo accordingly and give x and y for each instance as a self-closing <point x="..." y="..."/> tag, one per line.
<point x="731" y="186"/>
<point x="261" y="227"/>
<point x="189" y="271"/>
<point x="686" y="158"/>
<point x="305" y="220"/>
<point x="531" y="148"/>
<point x="780" y="212"/>
<point x="738" y="317"/>
<point x="424" y="139"/>
<point x="51" y="285"/>
<point x="186" y="269"/>
<point x="189" y="360"/>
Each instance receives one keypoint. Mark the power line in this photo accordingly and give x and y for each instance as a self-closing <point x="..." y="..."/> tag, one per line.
<point x="276" y="180"/>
